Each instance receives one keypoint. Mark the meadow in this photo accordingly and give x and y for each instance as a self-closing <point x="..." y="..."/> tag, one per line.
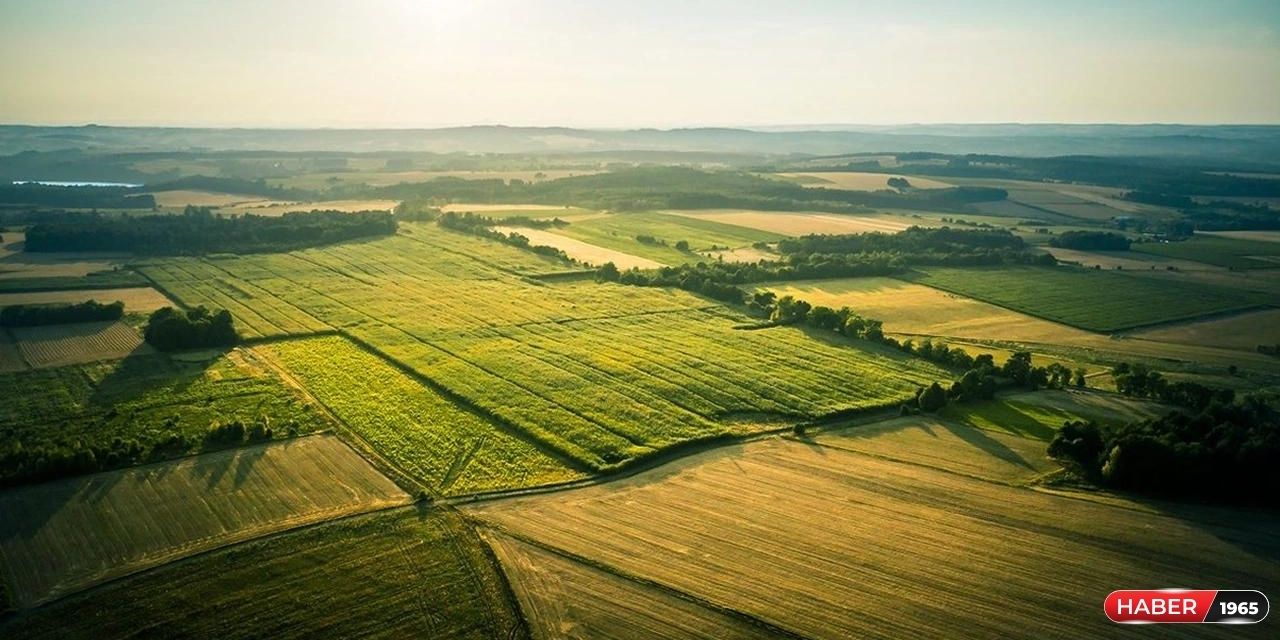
<point x="446" y="447"/>
<point x="1089" y="299"/>
<point x="153" y="514"/>
<point x="399" y="574"/>
<point x="825" y="542"/>
<point x="1233" y="253"/>
<point x="600" y="373"/>
<point x="1039" y="415"/>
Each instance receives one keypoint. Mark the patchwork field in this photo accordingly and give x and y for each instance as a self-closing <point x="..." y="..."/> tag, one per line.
<point x="598" y="373"/>
<point x="448" y="448"/>
<point x="562" y="598"/>
<point x="620" y="231"/>
<point x="62" y="536"/>
<point x="799" y="224"/>
<point x="389" y="575"/>
<point x="584" y="252"/>
<point x="1244" y="331"/>
<point x="830" y="543"/>
<point x="63" y="344"/>
<point x="135" y="299"/>
<point x="1089" y="299"/>
<point x="143" y="402"/>
<point x="859" y="181"/>
<point x="1234" y="253"/>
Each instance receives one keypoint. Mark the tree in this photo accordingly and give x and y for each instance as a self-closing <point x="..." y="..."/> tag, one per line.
<point x="682" y="245"/>
<point x="608" y="272"/>
<point x="932" y="399"/>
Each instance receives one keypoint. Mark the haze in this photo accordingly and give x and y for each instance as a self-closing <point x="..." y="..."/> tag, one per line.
<point x="623" y="64"/>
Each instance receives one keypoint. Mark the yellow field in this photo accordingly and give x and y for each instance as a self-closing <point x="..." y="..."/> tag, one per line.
<point x="582" y="251"/>
<point x="1127" y="260"/>
<point x="916" y="310"/>
<point x="831" y="543"/>
<point x="60" y="537"/>
<point x="561" y="598"/>
<point x="135" y="299"/>
<point x="798" y="224"/>
<point x="63" y="344"/>
<point x="860" y="181"/>
<point x="180" y="198"/>
<point x="1244" y="331"/>
<point x="281" y="208"/>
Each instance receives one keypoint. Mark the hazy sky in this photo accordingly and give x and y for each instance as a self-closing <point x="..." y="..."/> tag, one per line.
<point x="391" y="63"/>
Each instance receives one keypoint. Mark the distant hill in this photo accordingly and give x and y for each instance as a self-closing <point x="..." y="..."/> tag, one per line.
<point x="1239" y="144"/>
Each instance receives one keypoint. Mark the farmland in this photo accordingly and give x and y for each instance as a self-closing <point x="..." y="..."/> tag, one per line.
<point x="146" y="400"/>
<point x="1039" y="415"/>
<point x="135" y="299"/>
<point x="213" y="499"/>
<point x="755" y="529"/>
<point x="859" y="181"/>
<point x="446" y="447"/>
<point x="60" y="345"/>
<point x="1071" y="296"/>
<point x="1235" y="253"/>
<point x="788" y="223"/>
<point x="281" y="208"/>
<point x="599" y="373"/>
<point x="387" y="575"/>
<point x="1244" y="331"/>
<point x="620" y="231"/>
<point x="583" y="252"/>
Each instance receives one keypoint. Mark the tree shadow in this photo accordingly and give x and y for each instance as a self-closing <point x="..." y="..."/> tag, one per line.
<point x="145" y="371"/>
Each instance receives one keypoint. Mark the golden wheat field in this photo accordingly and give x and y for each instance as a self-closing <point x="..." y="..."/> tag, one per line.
<point x="584" y="252"/>
<point x="135" y="299"/>
<point x="564" y="598"/>
<point x="63" y="344"/>
<point x="145" y="516"/>
<point x="802" y="223"/>
<point x="832" y="543"/>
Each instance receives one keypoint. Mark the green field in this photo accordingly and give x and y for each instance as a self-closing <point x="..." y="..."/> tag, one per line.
<point x="391" y="575"/>
<point x="153" y="514"/>
<point x="599" y="373"/>
<point x="1039" y="415"/>
<point x="1234" y="253"/>
<point x="618" y="232"/>
<point x="449" y="449"/>
<point x="1094" y="300"/>
<point x="147" y="401"/>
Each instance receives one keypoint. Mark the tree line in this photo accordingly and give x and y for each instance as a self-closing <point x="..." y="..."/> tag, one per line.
<point x="1090" y="241"/>
<point x="45" y="195"/>
<point x="198" y="231"/>
<point x="482" y="226"/>
<point x="29" y="315"/>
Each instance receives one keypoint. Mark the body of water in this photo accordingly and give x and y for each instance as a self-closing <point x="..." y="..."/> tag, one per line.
<point x="60" y="183"/>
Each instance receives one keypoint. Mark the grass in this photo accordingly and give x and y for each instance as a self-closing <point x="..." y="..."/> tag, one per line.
<point x="389" y="575"/>
<point x="830" y="543"/>
<point x="600" y="373"/>
<point x="1040" y="415"/>
<point x="60" y="537"/>
<point x="144" y="399"/>
<point x="1089" y="299"/>
<point x="1234" y="253"/>
<point x="446" y="447"/>
<point x="619" y="231"/>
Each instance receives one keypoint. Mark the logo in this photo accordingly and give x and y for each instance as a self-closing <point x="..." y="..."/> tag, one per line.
<point x="1186" y="605"/>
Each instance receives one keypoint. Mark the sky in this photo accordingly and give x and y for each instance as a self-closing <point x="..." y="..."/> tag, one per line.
<point x="656" y="63"/>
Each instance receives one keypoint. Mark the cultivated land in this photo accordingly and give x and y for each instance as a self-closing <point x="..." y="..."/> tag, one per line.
<point x="1234" y="253"/>
<point x="1244" y="331"/>
<point x="598" y="373"/>
<point x="583" y="252"/>
<point x="620" y="231"/>
<point x="281" y="208"/>
<point x="564" y="598"/>
<point x="831" y="543"/>
<point x="63" y="344"/>
<point x="1040" y="414"/>
<point x="149" y="515"/>
<point x="390" y="575"/>
<point x="178" y="199"/>
<point x="1127" y="260"/>
<point x="1261" y="236"/>
<point x="859" y="181"/>
<point x="1093" y="300"/>
<point x="135" y="299"/>
<point x="146" y="399"/>
<point x="448" y="448"/>
<point x="798" y="223"/>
